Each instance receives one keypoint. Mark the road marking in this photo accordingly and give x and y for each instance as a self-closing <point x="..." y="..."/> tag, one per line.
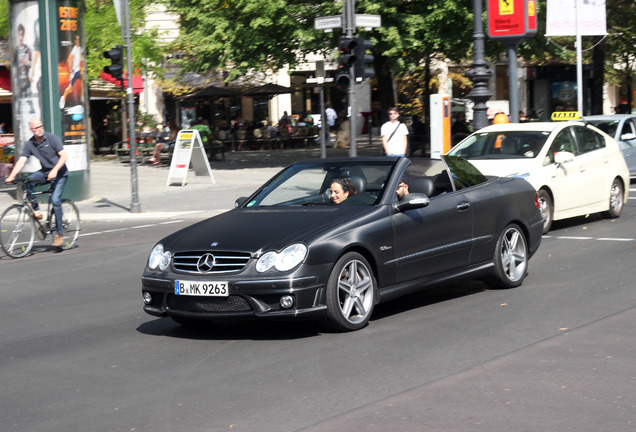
<point x="574" y="238"/>
<point x="129" y="228"/>
<point x="618" y="239"/>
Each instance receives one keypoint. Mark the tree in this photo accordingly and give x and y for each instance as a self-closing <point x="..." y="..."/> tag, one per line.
<point x="103" y="32"/>
<point x="4" y="19"/>
<point x="243" y="35"/>
<point x="412" y="33"/>
<point x="620" y="42"/>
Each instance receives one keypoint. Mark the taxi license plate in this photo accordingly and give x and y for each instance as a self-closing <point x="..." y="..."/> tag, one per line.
<point x="199" y="288"/>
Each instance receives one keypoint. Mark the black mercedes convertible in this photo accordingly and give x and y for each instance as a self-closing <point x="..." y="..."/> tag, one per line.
<point x="292" y="250"/>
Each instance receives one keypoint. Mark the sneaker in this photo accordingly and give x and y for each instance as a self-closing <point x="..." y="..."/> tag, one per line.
<point x="59" y="239"/>
<point x="156" y="163"/>
<point x="38" y="214"/>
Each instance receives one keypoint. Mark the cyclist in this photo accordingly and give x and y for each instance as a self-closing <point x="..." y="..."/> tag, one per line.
<point x="48" y="149"/>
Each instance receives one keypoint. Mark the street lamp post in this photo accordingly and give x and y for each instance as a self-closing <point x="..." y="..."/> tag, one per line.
<point x="479" y="74"/>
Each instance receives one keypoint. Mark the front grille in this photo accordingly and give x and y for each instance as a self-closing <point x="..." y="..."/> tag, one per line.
<point x="208" y="304"/>
<point x="224" y="262"/>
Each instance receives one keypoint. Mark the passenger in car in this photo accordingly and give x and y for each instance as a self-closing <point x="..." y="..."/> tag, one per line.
<point x="403" y="186"/>
<point x="341" y="189"/>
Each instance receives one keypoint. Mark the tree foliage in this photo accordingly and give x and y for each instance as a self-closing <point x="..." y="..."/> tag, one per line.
<point x="103" y="33"/>
<point x="259" y="34"/>
<point x="4" y="19"/>
<point x="238" y="36"/>
<point x="243" y="35"/>
<point x="621" y="40"/>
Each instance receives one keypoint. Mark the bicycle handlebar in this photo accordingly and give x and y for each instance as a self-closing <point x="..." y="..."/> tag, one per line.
<point x="22" y="179"/>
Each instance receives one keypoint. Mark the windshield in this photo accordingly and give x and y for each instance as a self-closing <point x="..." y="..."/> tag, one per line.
<point x="502" y="145"/>
<point x="309" y="184"/>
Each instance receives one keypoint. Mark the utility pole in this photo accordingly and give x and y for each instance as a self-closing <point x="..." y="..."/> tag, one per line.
<point x="135" y="206"/>
<point x="348" y="12"/>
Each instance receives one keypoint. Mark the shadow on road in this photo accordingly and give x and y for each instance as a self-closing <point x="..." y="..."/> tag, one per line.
<point x="288" y="330"/>
<point x="427" y="297"/>
<point x="232" y="330"/>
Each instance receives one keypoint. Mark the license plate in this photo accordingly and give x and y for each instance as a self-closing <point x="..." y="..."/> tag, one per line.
<point x="199" y="288"/>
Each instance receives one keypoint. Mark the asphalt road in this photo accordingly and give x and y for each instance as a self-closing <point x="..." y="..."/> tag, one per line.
<point x="77" y="353"/>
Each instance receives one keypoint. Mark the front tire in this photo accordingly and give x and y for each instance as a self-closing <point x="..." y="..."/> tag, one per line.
<point x="617" y="200"/>
<point x="350" y="294"/>
<point x="510" y="258"/>
<point x="547" y="209"/>
<point x="17" y="231"/>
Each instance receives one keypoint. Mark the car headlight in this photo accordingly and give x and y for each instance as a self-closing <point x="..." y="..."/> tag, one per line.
<point x="159" y="258"/>
<point x="285" y="260"/>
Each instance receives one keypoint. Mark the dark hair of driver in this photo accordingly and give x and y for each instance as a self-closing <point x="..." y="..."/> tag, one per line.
<point x="346" y="184"/>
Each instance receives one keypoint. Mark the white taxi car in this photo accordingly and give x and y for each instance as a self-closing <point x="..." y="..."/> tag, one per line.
<point x="576" y="169"/>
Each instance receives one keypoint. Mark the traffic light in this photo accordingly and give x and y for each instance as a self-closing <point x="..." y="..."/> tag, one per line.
<point x="116" y="56"/>
<point x="362" y="59"/>
<point x="342" y="81"/>
<point x="346" y="46"/>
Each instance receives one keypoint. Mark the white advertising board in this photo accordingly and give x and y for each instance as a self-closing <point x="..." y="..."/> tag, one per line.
<point x="561" y="17"/>
<point x="188" y="151"/>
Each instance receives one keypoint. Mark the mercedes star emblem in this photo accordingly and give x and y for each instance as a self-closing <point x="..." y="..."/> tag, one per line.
<point x="206" y="263"/>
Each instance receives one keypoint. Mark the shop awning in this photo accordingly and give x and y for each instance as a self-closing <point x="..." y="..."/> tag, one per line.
<point x="137" y="81"/>
<point x="5" y="79"/>
<point x="267" y="90"/>
<point x="212" y="92"/>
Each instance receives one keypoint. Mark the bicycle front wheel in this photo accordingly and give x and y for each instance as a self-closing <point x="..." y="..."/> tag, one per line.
<point x="17" y="231"/>
<point x="71" y="223"/>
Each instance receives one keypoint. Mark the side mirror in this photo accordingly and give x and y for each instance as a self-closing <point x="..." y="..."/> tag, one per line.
<point x="563" y="157"/>
<point x="628" y="137"/>
<point x="240" y="201"/>
<point x="412" y="201"/>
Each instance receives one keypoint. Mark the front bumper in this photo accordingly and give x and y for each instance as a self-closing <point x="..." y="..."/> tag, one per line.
<point x="247" y="298"/>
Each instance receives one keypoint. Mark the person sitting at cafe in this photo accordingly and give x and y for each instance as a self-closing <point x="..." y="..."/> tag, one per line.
<point x="164" y="145"/>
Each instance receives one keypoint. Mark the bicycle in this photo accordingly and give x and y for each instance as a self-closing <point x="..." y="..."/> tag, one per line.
<point x="19" y="224"/>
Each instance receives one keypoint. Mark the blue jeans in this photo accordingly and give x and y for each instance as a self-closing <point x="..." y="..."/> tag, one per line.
<point x="39" y="178"/>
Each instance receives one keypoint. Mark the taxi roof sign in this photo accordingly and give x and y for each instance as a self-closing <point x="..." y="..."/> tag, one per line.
<point x="565" y="115"/>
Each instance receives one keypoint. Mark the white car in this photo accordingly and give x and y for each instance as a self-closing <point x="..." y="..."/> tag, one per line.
<point x="576" y="169"/>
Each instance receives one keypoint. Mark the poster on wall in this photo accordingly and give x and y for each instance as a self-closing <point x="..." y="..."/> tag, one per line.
<point x="73" y="102"/>
<point x="26" y="68"/>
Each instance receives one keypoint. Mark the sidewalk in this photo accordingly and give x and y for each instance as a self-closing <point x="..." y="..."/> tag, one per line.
<point x="240" y="174"/>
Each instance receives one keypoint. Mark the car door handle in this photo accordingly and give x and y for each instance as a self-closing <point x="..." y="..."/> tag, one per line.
<point x="463" y="206"/>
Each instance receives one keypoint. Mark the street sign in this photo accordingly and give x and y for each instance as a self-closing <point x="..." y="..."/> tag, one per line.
<point x="328" y="23"/>
<point x="319" y="80"/>
<point x="507" y="19"/>
<point x="368" y="21"/>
